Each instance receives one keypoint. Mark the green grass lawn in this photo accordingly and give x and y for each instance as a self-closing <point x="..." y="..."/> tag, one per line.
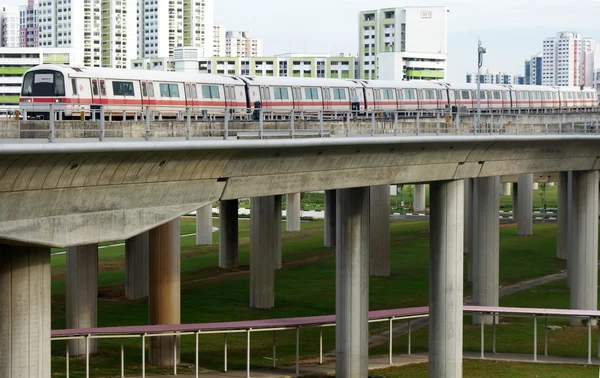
<point x="493" y="369"/>
<point x="305" y="287"/>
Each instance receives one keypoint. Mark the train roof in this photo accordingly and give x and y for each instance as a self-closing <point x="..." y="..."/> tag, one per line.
<point x="137" y="74"/>
<point x="417" y="84"/>
<point x="574" y="89"/>
<point x="542" y="88"/>
<point x="472" y="86"/>
<point x="299" y="82"/>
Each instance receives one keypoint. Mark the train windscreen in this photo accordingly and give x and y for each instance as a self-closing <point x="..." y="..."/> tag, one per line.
<point x="43" y="84"/>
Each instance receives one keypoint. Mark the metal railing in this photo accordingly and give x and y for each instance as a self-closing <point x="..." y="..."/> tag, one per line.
<point x="274" y="325"/>
<point x="242" y="123"/>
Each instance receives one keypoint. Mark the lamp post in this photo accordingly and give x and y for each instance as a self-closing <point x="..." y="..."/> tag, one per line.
<point x="480" y="52"/>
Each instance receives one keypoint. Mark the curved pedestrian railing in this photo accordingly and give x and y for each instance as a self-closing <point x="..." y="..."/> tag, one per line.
<point x="274" y="325"/>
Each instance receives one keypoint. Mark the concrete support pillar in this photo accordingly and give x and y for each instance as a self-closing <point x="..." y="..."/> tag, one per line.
<point x="584" y="283"/>
<point x="562" y="220"/>
<point x="419" y="198"/>
<point x="228" y="234"/>
<point x="136" y="267"/>
<point x="515" y="201"/>
<point x="446" y="279"/>
<point x="82" y="294"/>
<point x="505" y="189"/>
<point x="550" y="184"/>
<point x="292" y="212"/>
<point x="468" y="206"/>
<point x="330" y="218"/>
<point x="24" y="312"/>
<point x="204" y="226"/>
<point x="263" y="231"/>
<point x="486" y="244"/>
<point x="278" y="242"/>
<point x="352" y="283"/>
<point x="536" y="186"/>
<point x="525" y="206"/>
<point x="380" y="231"/>
<point x="164" y="304"/>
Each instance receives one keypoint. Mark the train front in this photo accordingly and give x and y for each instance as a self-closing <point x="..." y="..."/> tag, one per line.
<point x="43" y="90"/>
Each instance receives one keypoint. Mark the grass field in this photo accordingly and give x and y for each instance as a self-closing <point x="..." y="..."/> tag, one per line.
<point x="304" y="287"/>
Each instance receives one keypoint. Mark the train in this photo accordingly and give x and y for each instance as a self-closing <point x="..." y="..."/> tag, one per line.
<point x="77" y="91"/>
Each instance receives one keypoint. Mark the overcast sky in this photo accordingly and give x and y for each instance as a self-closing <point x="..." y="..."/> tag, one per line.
<point x="511" y="30"/>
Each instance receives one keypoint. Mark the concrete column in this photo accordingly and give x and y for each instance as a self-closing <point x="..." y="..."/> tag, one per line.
<point x="24" y="312"/>
<point x="505" y="191"/>
<point x="380" y="231"/>
<point x="525" y="206"/>
<point x="228" y="234"/>
<point x="486" y="244"/>
<point x="536" y="186"/>
<point x="136" y="267"/>
<point x="164" y="304"/>
<point x="263" y="231"/>
<point x="562" y="224"/>
<point x="82" y="294"/>
<point x="419" y="198"/>
<point x="515" y="201"/>
<point x="352" y="283"/>
<point x="204" y="226"/>
<point x="330" y="220"/>
<point x="468" y="206"/>
<point x="278" y="242"/>
<point x="584" y="283"/>
<point x="446" y="279"/>
<point x="292" y="212"/>
<point x="550" y="184"/>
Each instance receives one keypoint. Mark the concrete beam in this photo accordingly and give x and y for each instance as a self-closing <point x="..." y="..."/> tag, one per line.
<point x="525" y="206"/>
<point x="292" y="212"/>
<point x="204" y="225"/>
<point x="330" y="218"/>
<point x="25" y="312"/>
<point x="446" y="279"/>
<point x="82" y="294"/>
<point x="352" y="283"/>
<point x="380" y="231"/>
<point x="164" y="304"/>
<point x="228" y="234"/>
<point x="562" y="220"/>
<point x="584" y="283"/>
<point x="136" y="267"/>
<point x="419" y="205"/>
<point x="486" y="244"/>
<point x="263" y="231"/>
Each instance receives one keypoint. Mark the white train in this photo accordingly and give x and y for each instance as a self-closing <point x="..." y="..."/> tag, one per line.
<point x="76" y="90"/>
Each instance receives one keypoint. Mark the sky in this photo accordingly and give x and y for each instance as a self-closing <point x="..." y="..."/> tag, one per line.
<point x="511" y="30"/>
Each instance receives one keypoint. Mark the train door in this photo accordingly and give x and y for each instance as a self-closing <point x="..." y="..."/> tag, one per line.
<point x="327" y="99"/>
<point x="75" y="98"/>
<point x="98" y="94"/>
<point x="189" y="100"/>
<point x="297" y="98"/>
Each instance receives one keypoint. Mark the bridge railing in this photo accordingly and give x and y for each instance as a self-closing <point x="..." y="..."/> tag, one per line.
<point x="273" y="325"/>
<point x="242" y="123"/>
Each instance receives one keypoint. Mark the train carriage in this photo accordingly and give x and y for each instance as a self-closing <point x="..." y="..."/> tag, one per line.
<point x="406" y="95"/>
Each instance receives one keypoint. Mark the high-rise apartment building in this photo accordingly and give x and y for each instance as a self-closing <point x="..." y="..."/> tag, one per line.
<point x="219" y="41"/>
<point x="163" y="25"/>
<point x="103" y="29"/>
<point x="568" y="60"/>
<point x="9" y="26"/>
<point x="241" y="44"/>
<point x="490" y="77"/>
<point x="403" y="43"/>
<point x="28" y="26"/>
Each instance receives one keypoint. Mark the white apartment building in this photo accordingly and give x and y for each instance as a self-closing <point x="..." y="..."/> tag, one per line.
<point x="403" y="43"/>
<point x="493" y="77"/>
<point x="568" y="60"/>
<point x="103" y="29"/>
<point x="219" y="41"/>
<point x="241" y="44"/>
<point x="163" y="25"/>
<point x="9" y="26"/>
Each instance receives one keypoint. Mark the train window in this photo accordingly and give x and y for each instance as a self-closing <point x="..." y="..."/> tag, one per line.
<point x="95" y="87"/>
<point x="569" y="95"/>
<point x="579" y="95"/>
<point x="74" y="86"/>
<point x="150" y="89"/>
<point x="410" y="94"/>
<point x="144" y="90"/>
<point x="102" y="88"/>
<point x="212" y="91"/>
<point x="430" y="94"/>
<point x="168" y="90"/>
<point x="194" y="91"/>
<point x="483" y="95"/>
<point x="339" y="94"/>
<point x="232" y="94"/>
<point x="465" y="95"/>
<point x="311" y="93"/>
<point x="123" y="88"/>
<point x="388" y="94"/>
<point x="497" y="95"/>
